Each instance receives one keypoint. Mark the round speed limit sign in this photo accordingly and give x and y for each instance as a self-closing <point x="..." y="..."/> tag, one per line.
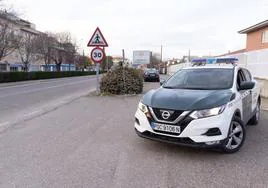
<point x="97" y="55"/>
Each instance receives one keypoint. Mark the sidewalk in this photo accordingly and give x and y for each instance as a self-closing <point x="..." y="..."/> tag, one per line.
<point x="264" y="104"/>
<point x="32" y="82"/>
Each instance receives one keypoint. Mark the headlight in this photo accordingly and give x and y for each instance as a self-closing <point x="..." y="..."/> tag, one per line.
<point x="208" y="112"/>
<point x="143" y="108"/>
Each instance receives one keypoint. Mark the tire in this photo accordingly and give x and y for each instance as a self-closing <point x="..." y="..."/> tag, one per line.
<point x="234" y="141"/>
<point x="255" y="119"/>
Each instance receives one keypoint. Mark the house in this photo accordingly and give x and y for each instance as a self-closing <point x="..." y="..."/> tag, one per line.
<point x="255" y="55"/>
<point x="118" y="59"/>
<point x="257" y="36"/>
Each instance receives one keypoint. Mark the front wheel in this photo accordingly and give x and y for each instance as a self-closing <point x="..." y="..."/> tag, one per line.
<point x="236" y="136"/>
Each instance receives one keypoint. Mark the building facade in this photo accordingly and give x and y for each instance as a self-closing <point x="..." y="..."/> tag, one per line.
<point x="14" y="27"/>
<point x="257" y="36"/>
<point x="255" y="55"/>
<point x="18" y="27"/>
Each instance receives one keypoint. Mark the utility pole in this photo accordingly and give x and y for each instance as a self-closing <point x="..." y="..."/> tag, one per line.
<point x="84" y="61"/>
<point x="161" y="54"/>
<point x="189" y="55"/>
<point x="161" y="60"/>
<point x="124" y="76"/>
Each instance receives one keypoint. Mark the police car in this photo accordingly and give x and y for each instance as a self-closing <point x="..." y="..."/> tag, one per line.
<point x="206" y="105"/>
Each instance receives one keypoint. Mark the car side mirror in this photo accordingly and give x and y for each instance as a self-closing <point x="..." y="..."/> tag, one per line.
<point x="162" y="82"/>
<point x="246" y="85"/>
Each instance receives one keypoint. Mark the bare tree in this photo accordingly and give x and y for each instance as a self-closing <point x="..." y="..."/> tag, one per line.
<point x="6" y="9"/>
<point x="8" y="40"/>
<point x="155" y="61"/>
<point x="44" y="45"/>
<point x="27" y="49"/>
<point x="64" y="48"/>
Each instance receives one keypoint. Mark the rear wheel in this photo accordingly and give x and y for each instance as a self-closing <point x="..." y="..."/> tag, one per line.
<point x="236" y="136"/>
<point x="255" y="119"/>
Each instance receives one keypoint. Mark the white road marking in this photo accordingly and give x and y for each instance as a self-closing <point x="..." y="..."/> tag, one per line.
<point x="17" y="86"/>
<point x="5" y="123"/>
<point x="32" y="113"/>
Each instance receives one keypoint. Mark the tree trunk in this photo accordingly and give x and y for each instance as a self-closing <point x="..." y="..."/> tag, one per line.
<point x="26" y="67"/>
<point x="58" y="65"/>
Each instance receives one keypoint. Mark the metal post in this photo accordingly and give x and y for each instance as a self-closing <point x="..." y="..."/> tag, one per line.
<point x="161" y="60"/>
<point x="84" y="61"/>
<point x="161" y="54"/>
<point x="98" y="78"/>
<point x="124" y="78"/>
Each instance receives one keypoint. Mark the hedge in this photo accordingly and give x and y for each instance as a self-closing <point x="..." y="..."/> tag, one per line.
<point x="122" y="81"/>
<point x="24" y="76"/>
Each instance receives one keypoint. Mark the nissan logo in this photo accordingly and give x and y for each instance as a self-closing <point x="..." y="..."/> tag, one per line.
<point x="165" y="115"/>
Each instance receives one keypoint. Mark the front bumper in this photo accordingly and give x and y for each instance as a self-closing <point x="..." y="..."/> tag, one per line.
<point x="177" y="141"/>
<point x="193" y="133"/>
<point x="148" y="77"/>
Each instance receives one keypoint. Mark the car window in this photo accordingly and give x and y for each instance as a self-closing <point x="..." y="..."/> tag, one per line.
<point x="207" y="79"/>
<point x="247" y="75"/>
<point x="240" y="78"/>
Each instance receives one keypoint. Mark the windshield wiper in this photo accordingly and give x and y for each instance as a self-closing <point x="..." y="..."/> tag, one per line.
<point x="196" y="88"/>
<point x="169" y="87"/>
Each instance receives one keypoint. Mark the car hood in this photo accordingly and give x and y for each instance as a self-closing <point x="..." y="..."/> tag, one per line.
<point x="187" y="100"/>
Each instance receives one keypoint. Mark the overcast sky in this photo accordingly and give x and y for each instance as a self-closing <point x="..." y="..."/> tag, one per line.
<point x="204" y="26"/>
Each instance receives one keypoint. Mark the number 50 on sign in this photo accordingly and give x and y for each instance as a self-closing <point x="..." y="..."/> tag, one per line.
<point x="97" y="55"/>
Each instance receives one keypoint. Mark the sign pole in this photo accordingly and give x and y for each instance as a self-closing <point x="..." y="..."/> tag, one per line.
<point x="97" y="54"/>
<point x="98" y="78"/>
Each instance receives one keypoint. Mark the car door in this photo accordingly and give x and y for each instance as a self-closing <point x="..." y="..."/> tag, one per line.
<point x="246" y="97"/>
<point x="254" y="91"/>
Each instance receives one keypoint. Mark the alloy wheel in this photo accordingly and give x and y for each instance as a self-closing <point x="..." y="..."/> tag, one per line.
<point x="235" y="137"/>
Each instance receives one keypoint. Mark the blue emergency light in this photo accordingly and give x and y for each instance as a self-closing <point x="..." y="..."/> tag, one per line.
<point x="204" y="61"/>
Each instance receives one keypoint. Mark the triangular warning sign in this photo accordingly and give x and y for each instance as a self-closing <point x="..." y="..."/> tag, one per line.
<point x="97" y="39"/>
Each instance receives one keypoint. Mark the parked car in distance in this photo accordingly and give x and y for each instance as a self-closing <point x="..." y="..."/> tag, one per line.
<point x="151" y="75"/>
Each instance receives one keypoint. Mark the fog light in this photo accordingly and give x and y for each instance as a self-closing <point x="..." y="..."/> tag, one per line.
<point x="212" y="143"/>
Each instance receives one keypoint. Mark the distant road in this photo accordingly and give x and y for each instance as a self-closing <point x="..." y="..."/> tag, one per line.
<point x="19" y="98"/>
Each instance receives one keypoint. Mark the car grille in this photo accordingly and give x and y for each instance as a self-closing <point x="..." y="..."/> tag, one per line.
<point x="174" y="114"/>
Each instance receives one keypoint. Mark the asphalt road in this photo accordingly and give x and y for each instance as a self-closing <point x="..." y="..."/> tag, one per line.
<point x="91" y="143"/>
<point x="19" y="100"/>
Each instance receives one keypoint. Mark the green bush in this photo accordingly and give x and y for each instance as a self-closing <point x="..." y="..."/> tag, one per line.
<point x="24" y="76"/>
<point x="113" y="82"/>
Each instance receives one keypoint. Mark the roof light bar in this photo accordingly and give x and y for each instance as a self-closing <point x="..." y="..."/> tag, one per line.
<point x="204" y="61"/>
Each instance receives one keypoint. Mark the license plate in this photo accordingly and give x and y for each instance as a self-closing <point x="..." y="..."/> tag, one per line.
<point x="166" y="128"/>
<point x="152" y="74"/>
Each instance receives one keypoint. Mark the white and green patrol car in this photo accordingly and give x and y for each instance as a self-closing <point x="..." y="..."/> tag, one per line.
<point x="204" y="106"/>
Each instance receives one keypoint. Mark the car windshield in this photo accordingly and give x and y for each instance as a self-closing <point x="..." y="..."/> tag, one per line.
<point x="205" y="79"/>
<point x="151" y="70"/>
